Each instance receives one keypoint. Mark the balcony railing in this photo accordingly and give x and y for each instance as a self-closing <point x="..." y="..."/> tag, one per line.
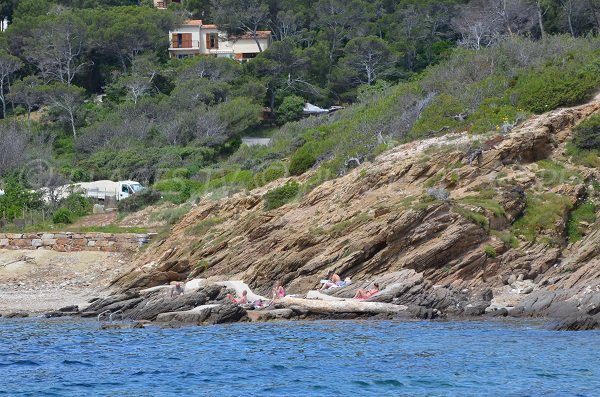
<point x="185" y="44"/>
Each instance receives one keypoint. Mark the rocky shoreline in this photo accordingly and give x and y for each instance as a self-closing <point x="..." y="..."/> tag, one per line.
<point x="407" y="295"/>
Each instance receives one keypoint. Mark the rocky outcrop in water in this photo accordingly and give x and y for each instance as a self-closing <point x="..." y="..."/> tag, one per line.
<point x="382" y="222"/>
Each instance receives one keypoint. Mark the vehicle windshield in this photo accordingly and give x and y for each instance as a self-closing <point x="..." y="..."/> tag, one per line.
<point x="137" y="187"/>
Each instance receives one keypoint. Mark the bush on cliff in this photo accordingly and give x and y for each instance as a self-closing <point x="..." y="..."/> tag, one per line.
<point x="282" y="195"/>
<point x="139" y="200"/>
<point x="563" y="85"/>
<point x="586" y="135"/>
<point x="541" y="216"/>
<point x="302" y="160"/>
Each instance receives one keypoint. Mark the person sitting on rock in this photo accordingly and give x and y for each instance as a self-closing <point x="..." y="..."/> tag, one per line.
<point x="362" y="294"/>
<point x="333" y="281"/>
<point x="278" y="291"/>
<point x="176" y="290"/>
<point x="240" y="301"/>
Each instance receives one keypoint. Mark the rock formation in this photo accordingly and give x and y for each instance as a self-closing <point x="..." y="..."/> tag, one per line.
<point x="379" y="222"/>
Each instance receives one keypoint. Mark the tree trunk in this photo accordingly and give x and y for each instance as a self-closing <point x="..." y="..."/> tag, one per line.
<point x="569" y="20"/>
<point x="3" y="99"/>
<point x="12" y="103"/>
<point x="29" y="119"/>
<point x="541" y="20"/>
<point x="72" y="116"/>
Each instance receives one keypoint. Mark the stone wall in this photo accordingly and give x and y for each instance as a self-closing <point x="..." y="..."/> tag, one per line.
<point x="66" y="242"/>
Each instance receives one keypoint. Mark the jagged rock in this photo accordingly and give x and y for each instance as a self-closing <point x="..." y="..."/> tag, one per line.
<point x="195" y="316"/>
<point x="69" y="309"/>
<point x="149" y="309"/>
<point x="16" y="315"/>
<point x="265" y="315"/>
<point x="228" y="313"/>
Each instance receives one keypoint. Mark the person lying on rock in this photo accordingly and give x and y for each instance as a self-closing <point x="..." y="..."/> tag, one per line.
<point x="278" y="290"/>
<point x="176" y="290"/>
<point x="362" y="294"/>
<point x="333" y="281"/>
<point x="240" y="301"/>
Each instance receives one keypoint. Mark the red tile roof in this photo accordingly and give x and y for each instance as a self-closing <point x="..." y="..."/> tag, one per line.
<point x="193" y="22"/>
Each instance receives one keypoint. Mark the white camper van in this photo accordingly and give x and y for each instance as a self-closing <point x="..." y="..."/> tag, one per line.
<point x="103" y="190"/>
<point x="99" y="190"/>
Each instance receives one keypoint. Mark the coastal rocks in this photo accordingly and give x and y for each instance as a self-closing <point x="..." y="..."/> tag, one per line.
<point x="266" y="315"/>
<point x="458" y="256"/>
<point x="150" y="304"/>
<point x="228" y="313"/>
<point x="15" y="315"/>
<point x="206" y="314"/>
<point x="194" y="316"/>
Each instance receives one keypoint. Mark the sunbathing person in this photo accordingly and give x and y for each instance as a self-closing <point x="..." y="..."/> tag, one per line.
<point x="176" y="290"/>
<point x="362" y="294"/>
<point x="240" y="301"/>
<point x="333" y="281"/>
<point x="278" y="291"/>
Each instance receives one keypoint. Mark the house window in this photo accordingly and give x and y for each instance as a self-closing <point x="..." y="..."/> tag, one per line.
<point x="212" y="41"/>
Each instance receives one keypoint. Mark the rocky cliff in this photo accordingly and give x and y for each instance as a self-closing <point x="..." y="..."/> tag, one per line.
<point x="445" y="225"/>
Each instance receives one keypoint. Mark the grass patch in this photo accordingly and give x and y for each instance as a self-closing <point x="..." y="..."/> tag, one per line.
<point x="473" y="216"/>
<point x="116" y="229"/>
<point x="542" y="213"/>
<point x="203" y="226"/>
<point x="339" y="229"/>
<point x="586" y="212"/>
<point x="482" y="201"/>
<point x="586" y="157"/>
<point x="172" y="215"/>
<point x="507" y="238"/>
<point x="434" y="180"/>
<point x="553" y="173"/>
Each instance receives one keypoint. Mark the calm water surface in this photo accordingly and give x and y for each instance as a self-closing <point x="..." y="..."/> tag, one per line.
<point x="64" y="357"/>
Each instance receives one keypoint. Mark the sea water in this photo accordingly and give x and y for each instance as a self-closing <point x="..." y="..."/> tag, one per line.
<point x="72" y="357"/>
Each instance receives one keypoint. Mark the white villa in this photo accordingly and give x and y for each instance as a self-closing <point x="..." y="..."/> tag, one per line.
<point x="194" y="38"/>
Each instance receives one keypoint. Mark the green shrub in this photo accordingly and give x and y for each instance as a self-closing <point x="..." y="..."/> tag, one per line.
<point x="16" y="199"/>
<point x="490" y="251"/>
<point x="291" y="109"/>
<point x="139" y="200"/>
<point x="77" y="204"/>
<point x="554" y="86"/>
<point x="282" y="195"/>
<point x="507" y="238"/>
<point x="302" y="160"/>
<point x="586" y="212"/>
<point x="542" y="213"/>
<point x="586" y="135"/>
<point x="64" y="216"/>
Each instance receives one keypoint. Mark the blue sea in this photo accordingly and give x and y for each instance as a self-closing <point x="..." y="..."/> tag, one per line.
<point x="72" y="357"/>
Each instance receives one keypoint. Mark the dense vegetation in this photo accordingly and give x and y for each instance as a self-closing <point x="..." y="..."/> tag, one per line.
<point x="88" y="91"/>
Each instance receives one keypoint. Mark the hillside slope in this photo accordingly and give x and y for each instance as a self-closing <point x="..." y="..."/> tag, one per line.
<point x="471" y="251"/>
